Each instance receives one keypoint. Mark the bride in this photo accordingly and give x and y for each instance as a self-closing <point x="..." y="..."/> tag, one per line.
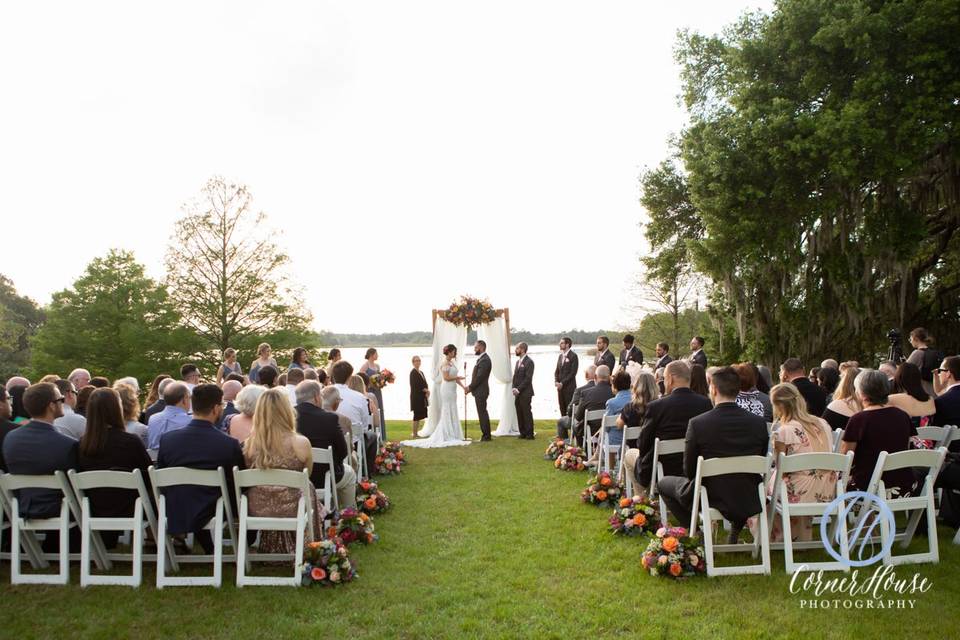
<point x="448" y="432"/>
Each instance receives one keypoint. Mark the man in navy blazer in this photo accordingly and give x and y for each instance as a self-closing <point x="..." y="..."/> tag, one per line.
<point x="946" y="382"/>
<point x="199" y="445"/>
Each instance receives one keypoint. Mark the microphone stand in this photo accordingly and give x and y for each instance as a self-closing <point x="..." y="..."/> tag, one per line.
<point x="464" y="400"/>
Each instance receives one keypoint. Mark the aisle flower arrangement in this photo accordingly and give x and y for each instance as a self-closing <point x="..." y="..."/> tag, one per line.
<point x="327" y="563"/>
<point x="634" y="516"/>
<point x="555" y="449"/>
<point x="389" y="459"/>
<point x="382" y="379"/>
<point x="572" y="459"/>
<point x="370" y="499"/>
<point x="601" y="490"/>
<point x="674" y="554"/>
<point x="469" y="312"/>
<point x="353" y="526"/>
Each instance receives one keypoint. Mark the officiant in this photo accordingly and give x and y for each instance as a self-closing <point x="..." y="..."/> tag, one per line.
<point x="419" y="395"/>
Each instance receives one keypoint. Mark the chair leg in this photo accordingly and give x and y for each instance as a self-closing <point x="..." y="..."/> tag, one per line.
<point x="85" y="544"/>
<point x="218" y="546"/>
<point x="138" y="545"/>
<point x="787" y="537"/>
<point x="242" y="543"/>
<point x="64" y="544"/>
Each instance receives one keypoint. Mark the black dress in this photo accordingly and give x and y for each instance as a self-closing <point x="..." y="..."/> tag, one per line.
<point x="888" y="429"/>
<point x="418" y="399"/>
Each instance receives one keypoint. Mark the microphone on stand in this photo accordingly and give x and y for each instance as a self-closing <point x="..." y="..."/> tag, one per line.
<point x="464" y="400"/>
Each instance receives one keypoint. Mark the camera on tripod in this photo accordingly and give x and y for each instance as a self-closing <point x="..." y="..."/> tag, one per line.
<point x="895" y="353"/>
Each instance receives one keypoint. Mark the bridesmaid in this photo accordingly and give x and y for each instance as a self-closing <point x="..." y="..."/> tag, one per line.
<point x="371" y="368"/>
<point x="229" y="365"/>
<point x="263" y="360"/>
<point x="299" y="360"/>
<point x="419" y="395"/>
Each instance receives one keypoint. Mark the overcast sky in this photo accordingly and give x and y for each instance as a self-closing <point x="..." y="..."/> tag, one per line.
<point x="419" y="149"/>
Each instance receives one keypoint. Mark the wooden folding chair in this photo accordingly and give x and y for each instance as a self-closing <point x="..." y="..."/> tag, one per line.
<point x="663" y="448"/>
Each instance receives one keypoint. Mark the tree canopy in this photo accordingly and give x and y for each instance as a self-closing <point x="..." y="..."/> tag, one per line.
<point x="19" y="320"/>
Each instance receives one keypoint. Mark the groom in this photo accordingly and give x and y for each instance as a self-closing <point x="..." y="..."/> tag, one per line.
<point x="480" y="388"/>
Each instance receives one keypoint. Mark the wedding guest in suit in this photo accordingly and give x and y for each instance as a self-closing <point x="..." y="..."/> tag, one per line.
<point x="264" y="359"/>
<point x="665" y="418"/>
<point x="792" y="371"/>
<point x="79" y="378"/>
<point x="419" y="395"/>
<point x="830" y="363"/>
<point x="567" y="421"/>
<point x="239" y="426"/>
<point x="322" y="428"/>
<point x="663" y="355"/>
<point x="844" y="403"/>
<point x="175" y="415"/>
<point x="154" y="402"/>
<point x="229" y="365"/>
<point x="750" y="398"/>
<point x="879" y="427"/>
<point x="947" y="402"/>
<point x="593" y="399"/>
<point x="697" y="356"/>
<point x="199" y="445"/>
<point x="565" y="373"/>
<point x="698" y="380"/>
<point x="70" y="423"/>
<point x="630" y="352"/>
<point x="924" y="357"/>
<point x="604" y="357"/>
<point x="6" y="425"/>
<point x="107" y="446"/>
<point x="523" y="391"/>
<point x="36" y="448"/>
<point x="724" y="431"/>
<point x="480" y="387"/>
<point x="130" y="407"/>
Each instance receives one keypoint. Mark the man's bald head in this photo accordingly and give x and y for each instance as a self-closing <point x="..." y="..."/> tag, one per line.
<point x="591" y="372"/>
<point x="17" y="381"/>
<point x="230" y="390"/>
<point x="603" y="372"/>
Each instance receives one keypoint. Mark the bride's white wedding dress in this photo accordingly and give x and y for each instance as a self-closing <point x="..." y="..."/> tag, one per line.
<point x="449" y="432"/>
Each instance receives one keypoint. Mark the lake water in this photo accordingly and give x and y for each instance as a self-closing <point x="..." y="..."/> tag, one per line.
<point x="396" y="397"/>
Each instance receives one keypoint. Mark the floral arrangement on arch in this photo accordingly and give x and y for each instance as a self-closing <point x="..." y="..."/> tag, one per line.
<point x="633" y="516"/>
<point x="674" y="554"/>
<point x="602" y="489"/>
<point x="389" y="459"/>
<point x="382" y="379"/>
<point x="327" y="563"/>
<point x="572" y="459"/>
<point x="555" y="449"/>
<point x="353" y="526"/>
<point x="469" y="312"/>
<point x="370" y="500"/>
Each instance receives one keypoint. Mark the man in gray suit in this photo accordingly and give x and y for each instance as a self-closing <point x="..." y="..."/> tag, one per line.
<point x="604" y="355"/>
<point x="480" y="387"/>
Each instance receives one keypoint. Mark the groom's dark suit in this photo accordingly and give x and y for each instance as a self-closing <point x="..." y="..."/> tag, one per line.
<point x="523" y="384"/>
<point x="480" y="388"/>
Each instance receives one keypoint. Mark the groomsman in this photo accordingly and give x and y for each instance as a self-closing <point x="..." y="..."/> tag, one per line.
<point x="630" y="353"/>
<point x="480" y="387"/>
<point x="697" y="356"/>
<point x="565" y="374"/>
<point x="663" y="356"/>
<point x="604" y="357"/>
<point x="523" y="391"/>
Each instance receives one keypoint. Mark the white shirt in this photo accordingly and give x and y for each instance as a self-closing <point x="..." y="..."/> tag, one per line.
<point x="291" y="391"/>
<point x="70" y="424"/>
<point x="354" y="406"/>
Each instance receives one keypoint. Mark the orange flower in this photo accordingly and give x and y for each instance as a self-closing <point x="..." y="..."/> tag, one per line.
<point x="365" y="486"/>
<point x="601" y="495"/>
<point x="313" y="545"/>
<point x="676" y="569"/>
<point x="670" y="544"/>
<point x="639" y="519"/>
<point x="579" y="466"/>
<point x="370" y="503"/>
<point x="318" y="574"/>
<point x="332" y="532"/>
<point x="606" y="481"/>
<point x="625" y="502"/>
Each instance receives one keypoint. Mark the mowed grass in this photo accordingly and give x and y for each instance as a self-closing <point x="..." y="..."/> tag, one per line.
<point x="485" y="541"/>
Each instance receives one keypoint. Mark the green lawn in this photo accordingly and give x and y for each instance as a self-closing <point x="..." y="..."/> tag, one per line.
<point x="482" y="541"/>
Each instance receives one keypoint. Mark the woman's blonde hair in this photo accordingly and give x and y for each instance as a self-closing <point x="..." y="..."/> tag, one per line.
<point x="128" y="401"/>
<point x="229" y="352"/>
<point x="789" y="405"/>
<point x="273" y="423"/>
<point x="645" y="391"/>
<point x="356" y="383"/>
<point x="845" y="390"/>
<point x="263" y="346"/>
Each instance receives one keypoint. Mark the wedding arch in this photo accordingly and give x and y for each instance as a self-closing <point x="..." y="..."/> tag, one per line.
<point x="450" y="326"/>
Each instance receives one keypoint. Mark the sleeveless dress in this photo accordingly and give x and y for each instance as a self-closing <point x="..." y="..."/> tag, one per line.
<point x="226" y="369"/>
<point x="449" y="432"/>
<point x="378" y="393"/>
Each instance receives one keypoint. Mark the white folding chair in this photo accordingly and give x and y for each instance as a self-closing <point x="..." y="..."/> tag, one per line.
<point x="702" y="511"/>
<point x="90" y="524"/>
<point x="941" y="436"/>
<point x="629" y="433"/>
<point x="607" y="423"/>
<point x="780" y="502"/>
<point x="301" y="523"/>
<point x="166" y="555"/>
<point x="360" y="449"/>
<point x="662" y="448"/>
<point x="31" y="546"/>
<point x="923" y="501"/>
<point x="837" y="439"/>
<point x="571" y="440"/>
<point x="596" y="415"/>
<point x="329" y="489"/>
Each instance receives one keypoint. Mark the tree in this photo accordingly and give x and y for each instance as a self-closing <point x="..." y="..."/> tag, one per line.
<point x="227" y="276"/>
<point x="114" y="321"/>
<point x="19" y="320"/>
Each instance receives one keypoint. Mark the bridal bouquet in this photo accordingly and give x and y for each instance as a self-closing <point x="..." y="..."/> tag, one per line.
<point x="572" y="459"/>
<point x="634" y="515"/>
<point x="555" y="449"/>
<point x="382" y="379"/>
<point x="601" y="489"/>
<point x="327" y="562"/>
<point x="389" y="459"/>
<point x="674" y="554"/>
<point x="353" y="526"/>
<point x="370" y="499"/>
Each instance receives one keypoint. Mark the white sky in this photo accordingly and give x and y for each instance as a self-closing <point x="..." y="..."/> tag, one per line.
<point x="421" y="149"/>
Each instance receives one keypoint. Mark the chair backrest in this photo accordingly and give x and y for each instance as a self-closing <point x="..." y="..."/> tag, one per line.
<point x="87" y="480"/>
<point x="940" y="435"/>
<point x="954" y="434"/>
<point x="270" y="477"/>
<point x="631" y="433"/>
<point x="609" y="421"/>
<point x="931" y="460"/>
<point x="172" y="476"/>
<point x="10" y="482"/>
<point x="668" y="447"/>
<point x="736" y="464"/>
<point x="815" y="461"/>
<point x="323" y="456"/>
<point x="594" y="414"/>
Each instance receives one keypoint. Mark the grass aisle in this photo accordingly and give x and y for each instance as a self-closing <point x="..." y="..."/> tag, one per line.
<point x="482" y="541"/>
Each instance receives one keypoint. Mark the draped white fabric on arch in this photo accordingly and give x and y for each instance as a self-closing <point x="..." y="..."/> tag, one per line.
<point x="444" y="333"/>
<point x="498" y="348"/>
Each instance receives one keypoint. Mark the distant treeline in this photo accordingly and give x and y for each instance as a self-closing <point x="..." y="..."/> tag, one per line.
<point x="424" y="338"/>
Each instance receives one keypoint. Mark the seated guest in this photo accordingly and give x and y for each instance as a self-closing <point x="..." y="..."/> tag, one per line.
<point x="698" y="380"/>
<point x="815" y="396"/>
<point x="593" y="399"/>
<point x="353" y="404"/>
<point x="240" y="425"/>
<point x="829" y="379"/>
<point x="190" y="375"/>
<point x="6" y="425"/>
<point x="310" y="374"/>
<point x="79" y="378"/>
<point x="275" y="444"/>
<point x="37" y="449"/>
<point x="844" y="403"/>
<point x="268" y="376"/>
<point x="908" y="393"/>
<point x="643" y="392"/>
<point x="322" y="428"/>
<point x="812" y="376"/>
<point x="750" y="398"/>
<point x="230" y="390"/>
<point x="879" y="427"/>
<point x="198" y="445"/>
<point x="175" y="414"/>
<point x="830" y="363"/>
<point x="107" y="446"/>
<point x="83" y="394"/>
<point x="947" y="384"/>
<point x="723" y="432"/>
<point x="614" y="407"/>
<point x="70" y="423"/>
<point x="331" y="402"/>
<point x="665" y="418"/>
<point x="129" y="380"/>
<point x="99" y="382"/>
<point x="564" y="423"/>
<point x="849" y="364"/>
<point x="322" y="376"/>
<point x="889" y="369"/>
<point x="294" y="377"/>
<point x="764" y="378"/>
<point x="238" y="378"/>
<point x="800" y="432"/>
<point x="18" y="414"/>
<point x="154" y="402"/>
<point x="361" y="384"/>
<point x="130" y="405"/>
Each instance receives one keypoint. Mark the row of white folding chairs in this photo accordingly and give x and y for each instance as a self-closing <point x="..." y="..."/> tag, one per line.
<point x="74" y="487"/>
